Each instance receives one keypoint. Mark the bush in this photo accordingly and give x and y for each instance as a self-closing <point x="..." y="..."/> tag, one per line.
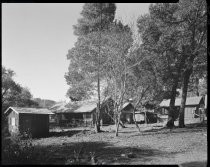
<point x="17" y="149"/>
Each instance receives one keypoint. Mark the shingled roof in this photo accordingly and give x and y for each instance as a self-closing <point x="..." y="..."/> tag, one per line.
<point x="189" y="101"/>
<point x="86" y="108"/>
<point x="78" y="107"/>
<point x="29" y="110"/>
<point x="60" y="108"/>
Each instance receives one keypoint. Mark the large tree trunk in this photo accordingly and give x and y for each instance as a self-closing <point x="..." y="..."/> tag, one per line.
<point x="197" y="86"/>
<point x="121" y="124"/>
<point x="134" y="119"/>
<point x="97" y="122"/>
<point x="186" y="78"/>
<point x="171" y="112"/>
<point x="117" y="124"/>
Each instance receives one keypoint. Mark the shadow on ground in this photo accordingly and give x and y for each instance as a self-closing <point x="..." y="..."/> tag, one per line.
<point x="188" y="128"/>
<point x="68" y="133"/>
<point x="194" y="164"/>
<point x="104" y="152"/>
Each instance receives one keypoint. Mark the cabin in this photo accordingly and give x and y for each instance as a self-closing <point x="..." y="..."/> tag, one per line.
<point x="85" y="114"/>
<point x="33" y="121"/>
<point x="127" y="113"/>
<point x="194" y="108"/>
<point x="146" y="117"/>
<point x="61" y="114"/>
<point x="82" y="113"/>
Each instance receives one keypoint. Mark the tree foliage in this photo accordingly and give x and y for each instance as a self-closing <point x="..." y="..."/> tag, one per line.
<point x="176" y="35"/>
<point x="44" y="103"/>
<point x="91" y="20"/>
<point x="83" y="56"/>
<point x="13" y="94"/>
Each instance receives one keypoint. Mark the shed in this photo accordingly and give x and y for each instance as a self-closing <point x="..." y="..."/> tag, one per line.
<point x="34" y="121"/>
<point x="193" y="108"/>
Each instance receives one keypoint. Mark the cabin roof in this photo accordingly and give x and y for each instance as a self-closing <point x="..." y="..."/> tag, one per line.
<point x="86" y="108"/>
<point x="81" y="107"/>
<point x="126" y="104"/>
<point x="29" y="110"/>
<point x="78" y="107"/>
<point x="59" y="108"/>
<point x="189" y="101"/>
<point x="126" y="107"/>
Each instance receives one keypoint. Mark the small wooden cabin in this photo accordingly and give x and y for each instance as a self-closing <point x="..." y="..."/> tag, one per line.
<point x="88" y="111"/>
<point x="127" y="113"/>
<point x="33" y="121"/>
<point x="85" y="113"/>
<point x="146" y="117"/>
<point x="82" y="113"/>
<point x="193" y="108"/>
<point x="61" y="114"/>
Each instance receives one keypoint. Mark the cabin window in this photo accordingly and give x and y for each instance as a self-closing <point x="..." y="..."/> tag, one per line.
<point x="13" y="121"/>
<point x="196" y="113"/>
<point x="88" y="115"/>
<point x="63" y="117"/>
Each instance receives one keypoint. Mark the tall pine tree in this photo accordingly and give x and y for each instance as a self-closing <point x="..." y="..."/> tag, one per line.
<point x="87" y="55"/>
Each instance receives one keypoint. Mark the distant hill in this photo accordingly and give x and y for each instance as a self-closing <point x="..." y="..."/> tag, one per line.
<point x="45" y="103"/>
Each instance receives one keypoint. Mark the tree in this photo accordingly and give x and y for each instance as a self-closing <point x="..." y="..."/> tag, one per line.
<point x="119" y="40"/>
<point x="176" y="33"/>
<point x="88" y="51"/>
<point x="25" y="99"/>
<point x="144" y="84"/>
<point x="95" y="17"/>
<point x="13" y="94"/>
<point x="161" y="42"/>
<point x="195" y="15"/>
<point x="10" y="89"/>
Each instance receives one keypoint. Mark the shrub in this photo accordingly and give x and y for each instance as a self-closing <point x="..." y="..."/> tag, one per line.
<point x="17" y="149"/>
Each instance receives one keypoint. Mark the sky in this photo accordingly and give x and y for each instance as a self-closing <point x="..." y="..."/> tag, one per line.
<point x="36" y="38"/>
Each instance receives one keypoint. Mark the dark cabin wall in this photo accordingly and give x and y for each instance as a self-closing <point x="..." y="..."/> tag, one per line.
<point x="40" y="125"/>
<point x="127" y="114"/>
<point x="88" y="119"/>
<point x="36" y="124"/>
<point x="13" y="128"/>
<point x="25" y="122"/>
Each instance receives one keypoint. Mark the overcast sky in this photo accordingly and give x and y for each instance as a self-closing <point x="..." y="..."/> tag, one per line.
<point x="36" y="38"/>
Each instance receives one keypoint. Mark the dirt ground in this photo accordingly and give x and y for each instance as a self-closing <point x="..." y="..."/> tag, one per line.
<point x="154" y="145"/>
